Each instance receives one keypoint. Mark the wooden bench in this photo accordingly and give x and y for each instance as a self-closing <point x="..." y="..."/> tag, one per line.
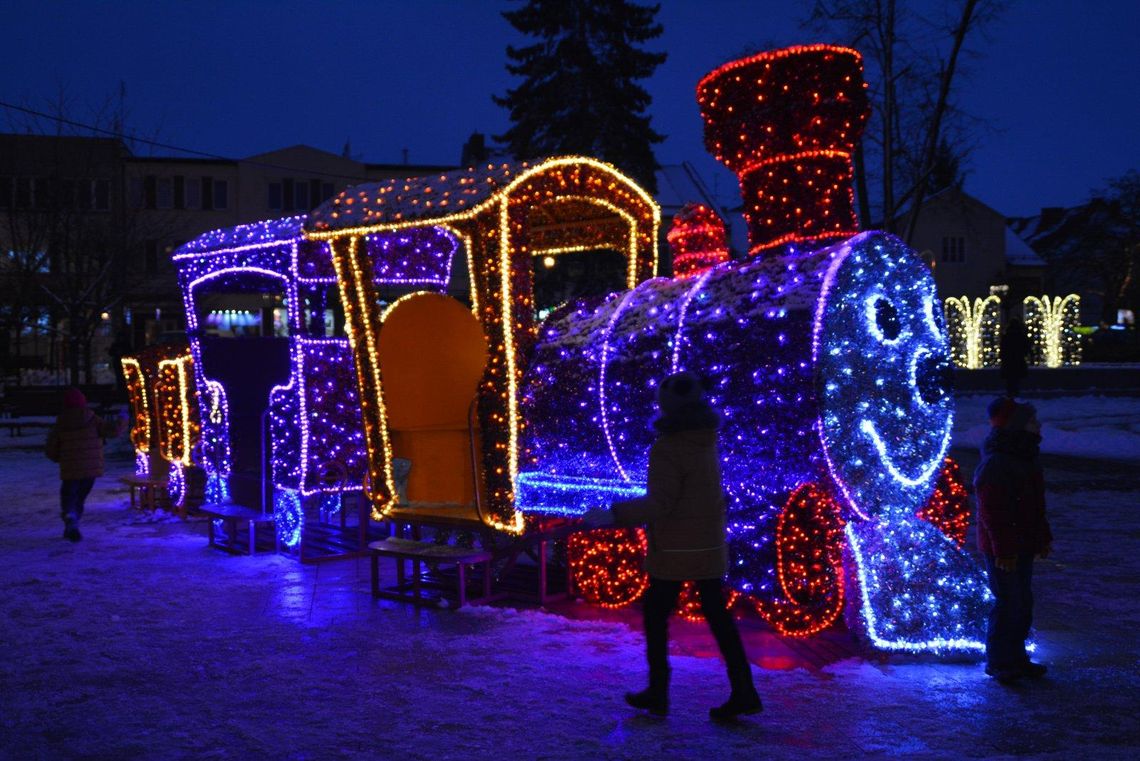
<point x="16" y="426"/>
<point x="231" y="514"/>
<point x="425" y="552"/>
<point x="146" y="491"/>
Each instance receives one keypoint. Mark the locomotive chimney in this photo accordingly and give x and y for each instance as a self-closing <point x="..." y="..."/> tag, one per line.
<point x="786" y="122"/>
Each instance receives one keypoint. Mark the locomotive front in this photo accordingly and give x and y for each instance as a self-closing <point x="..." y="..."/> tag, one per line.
<point x="827" y="360"/>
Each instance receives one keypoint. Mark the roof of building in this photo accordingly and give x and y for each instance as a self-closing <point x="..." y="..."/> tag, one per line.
<point x="1018" y="253"/>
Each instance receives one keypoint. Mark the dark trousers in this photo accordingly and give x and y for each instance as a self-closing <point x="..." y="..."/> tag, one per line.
<point x="72" y="494"/>
<point x="1012" y="614"/>
<point x="661" y="598"/>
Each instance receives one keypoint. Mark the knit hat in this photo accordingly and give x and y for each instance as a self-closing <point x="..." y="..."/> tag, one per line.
<point x="73" y="397"/>
<point x="681" y="390"/>
<point x="1006" y="413"/>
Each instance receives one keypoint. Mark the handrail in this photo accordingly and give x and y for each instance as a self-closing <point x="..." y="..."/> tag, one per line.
<point x="474" y="458"/>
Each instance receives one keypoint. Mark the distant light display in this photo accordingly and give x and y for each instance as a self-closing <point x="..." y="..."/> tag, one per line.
<point x="1051" y="322"/>
<point x="698" y="240"/>
<point x="974" y="330"/>
<point x="506" y="216"/>
<point x="786" y="122"/>
<point x="139" y="402"/>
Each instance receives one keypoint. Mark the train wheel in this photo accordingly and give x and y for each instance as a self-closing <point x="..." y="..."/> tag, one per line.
<point x="809" y="563"/>
<point x="949" y="506"/>
<point x="606" y="565"/>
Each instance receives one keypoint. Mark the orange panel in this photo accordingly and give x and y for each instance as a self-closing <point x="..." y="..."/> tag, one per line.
<point x="432" y="353"/>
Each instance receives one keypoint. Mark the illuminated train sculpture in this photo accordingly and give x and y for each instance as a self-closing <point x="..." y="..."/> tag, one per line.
<point x="825" y="353"/>
<point x="165" y="426"/>
<point x="829" y="366"/>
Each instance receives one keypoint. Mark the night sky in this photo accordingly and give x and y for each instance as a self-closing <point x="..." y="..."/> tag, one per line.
<point x="1055" y="85"/>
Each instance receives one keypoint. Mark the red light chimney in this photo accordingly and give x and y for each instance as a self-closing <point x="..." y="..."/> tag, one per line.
<point x="786" y="122"/>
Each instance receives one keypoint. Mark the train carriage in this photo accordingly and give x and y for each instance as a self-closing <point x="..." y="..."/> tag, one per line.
<point x="281" y="423"/>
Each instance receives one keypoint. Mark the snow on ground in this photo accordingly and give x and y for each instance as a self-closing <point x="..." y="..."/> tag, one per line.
<point x="1088" y="426"/>
<point x="140" y="642"/>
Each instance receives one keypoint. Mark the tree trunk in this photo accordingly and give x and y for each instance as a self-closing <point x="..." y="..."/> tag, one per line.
<point x="932" y="135"/>
<point x="888" y="36"/>
<point x="861" y="187"/>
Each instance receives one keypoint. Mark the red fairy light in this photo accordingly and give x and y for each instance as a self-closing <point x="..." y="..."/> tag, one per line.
<point x="949" y="506"/>
<point x="809" y="552"/>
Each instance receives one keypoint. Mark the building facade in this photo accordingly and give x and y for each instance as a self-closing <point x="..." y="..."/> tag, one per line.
<point x="55" y="191"/>
<point x="973" y="252"/>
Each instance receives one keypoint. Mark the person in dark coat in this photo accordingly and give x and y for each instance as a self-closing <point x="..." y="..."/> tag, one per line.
<point x="684" y="515"/>
<point x="1012" y="531"/>
<point x="1014" y="350"/>
<point x="76" y="443"/>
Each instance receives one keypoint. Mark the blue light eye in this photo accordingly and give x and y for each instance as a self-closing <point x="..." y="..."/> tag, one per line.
<point x="887" y="319"/>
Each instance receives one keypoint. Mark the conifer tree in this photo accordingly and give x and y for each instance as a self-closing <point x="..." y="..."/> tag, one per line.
<point x="579" y="92"/>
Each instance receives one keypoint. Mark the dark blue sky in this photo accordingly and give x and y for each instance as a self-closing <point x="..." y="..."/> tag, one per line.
<point x="1056" y="84"/>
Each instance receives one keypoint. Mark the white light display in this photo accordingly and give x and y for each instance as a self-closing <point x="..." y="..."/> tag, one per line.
<point x="1051" y="322"/>
<point x="974" y="330"/>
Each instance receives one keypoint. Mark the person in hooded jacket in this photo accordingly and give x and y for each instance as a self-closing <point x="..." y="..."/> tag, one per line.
<point x="684" y="515"/>
<point x="1012" y="530"/>
<point x="76" y="443"/>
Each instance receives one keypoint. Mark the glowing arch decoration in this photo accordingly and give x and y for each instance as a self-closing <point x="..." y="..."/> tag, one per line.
<point x="164" y="415"/>
<point x="503" y="215"/>
<point x="698" y="240"/>
<point x="1051" y="322"/>
<point x="786" y="122"/>
<point x="138" y="401"/>
<point x="974" y="329"/>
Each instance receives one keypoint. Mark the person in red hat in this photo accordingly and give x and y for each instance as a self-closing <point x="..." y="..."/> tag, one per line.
<point x="1012" y="531"/>
<point x="76" y="443"/>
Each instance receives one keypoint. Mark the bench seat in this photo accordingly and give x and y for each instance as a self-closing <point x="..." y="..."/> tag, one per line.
<point x="402" y="550"/>
<point x="231" y="514"/>
<point x="146" y="490"/>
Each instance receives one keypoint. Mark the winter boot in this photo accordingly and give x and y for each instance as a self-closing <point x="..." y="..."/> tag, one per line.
<point x="742" y="701"/>
<point x="71" y="529"/>
<point x="655" y="698"/>
<point x="1004" y="675"/>
<point x="738" y="704"/>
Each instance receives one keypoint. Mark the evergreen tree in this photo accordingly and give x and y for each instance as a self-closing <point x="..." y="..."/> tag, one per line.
<point x="579" y="92"/>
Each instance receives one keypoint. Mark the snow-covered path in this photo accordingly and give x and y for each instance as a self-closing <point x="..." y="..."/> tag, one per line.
<point x="140" y="642"/>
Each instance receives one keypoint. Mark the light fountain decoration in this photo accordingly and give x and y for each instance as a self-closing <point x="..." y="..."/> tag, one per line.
<point x="1051" y="322"/>
<point x="316" y="448"/>
<point x="974" y="330"/>
<point x="697" y="239"/>
<point x="829" y="366"/>
<point x="165" y="420"/>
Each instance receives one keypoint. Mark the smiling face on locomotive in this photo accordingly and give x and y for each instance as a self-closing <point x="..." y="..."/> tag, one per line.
<point x="883" y="376"/>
